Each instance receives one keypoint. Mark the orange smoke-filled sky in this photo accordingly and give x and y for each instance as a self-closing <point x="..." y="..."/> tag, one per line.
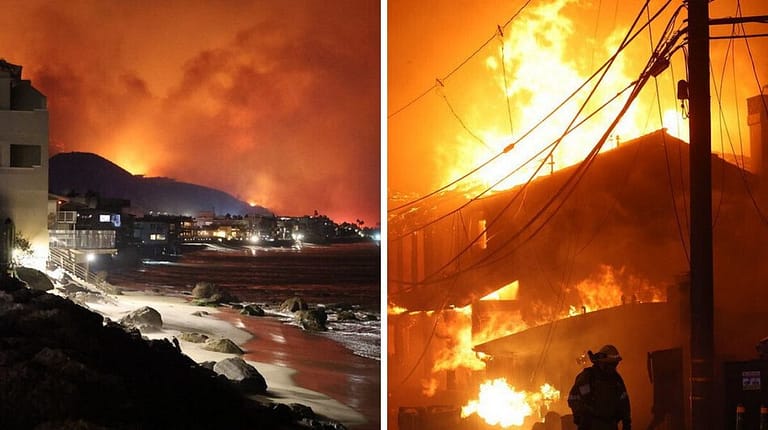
<point x="274" y="102"/>
<point x="436" y="135"/>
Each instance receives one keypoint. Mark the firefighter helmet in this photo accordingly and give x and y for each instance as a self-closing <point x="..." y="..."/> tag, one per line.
<point x="606" y="354"/>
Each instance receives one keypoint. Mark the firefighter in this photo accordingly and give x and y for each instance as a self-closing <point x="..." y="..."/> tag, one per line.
<point x="599" y="398"/>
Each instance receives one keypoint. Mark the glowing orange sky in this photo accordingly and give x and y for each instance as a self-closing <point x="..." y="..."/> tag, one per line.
<point x="274" y="102"/>
<point x="427" y="146"/>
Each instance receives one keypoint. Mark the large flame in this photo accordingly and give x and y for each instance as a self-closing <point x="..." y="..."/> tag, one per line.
<point x="496" y="325"/>
<point x="611" y="287"/>
<point x="457" y="332"/>
<point x="456" y="337"/>
<point x="498" y="403"/>
<point x="534" y="69"/>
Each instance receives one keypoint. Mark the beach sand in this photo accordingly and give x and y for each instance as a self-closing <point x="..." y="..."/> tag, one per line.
<point x="299" y="367"/>
<point x="321" y="365"/>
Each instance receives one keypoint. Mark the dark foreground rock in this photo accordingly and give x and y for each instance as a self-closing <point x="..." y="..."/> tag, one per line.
<point x="34" y="278"/>
<point x="145" y="319"/>
<point x="62" y="367"/>
<point x="236" y="369"/>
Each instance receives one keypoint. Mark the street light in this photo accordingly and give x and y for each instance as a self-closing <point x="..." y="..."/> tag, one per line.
<point x="88" y="258"/>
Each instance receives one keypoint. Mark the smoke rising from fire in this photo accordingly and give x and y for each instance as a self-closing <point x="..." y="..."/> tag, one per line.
<point x="276" y="103"/>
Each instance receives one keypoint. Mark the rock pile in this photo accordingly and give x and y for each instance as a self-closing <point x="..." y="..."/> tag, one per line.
<point x="63" y="367"/>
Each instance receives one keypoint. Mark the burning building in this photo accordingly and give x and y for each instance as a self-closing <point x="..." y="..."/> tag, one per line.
<point x="551" y="233"/>
<point x="521" y="283"/>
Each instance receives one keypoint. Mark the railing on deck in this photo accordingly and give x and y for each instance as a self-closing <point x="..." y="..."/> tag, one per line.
<point x="66" y="259"/>
<point x="82" y="239"/>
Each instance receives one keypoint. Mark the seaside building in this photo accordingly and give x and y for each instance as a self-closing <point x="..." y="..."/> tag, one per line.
<point x="162" y="235"/>
<point x="83" y="226"/>
<point x="24" y="161"/>
<point x="497" y="290"/>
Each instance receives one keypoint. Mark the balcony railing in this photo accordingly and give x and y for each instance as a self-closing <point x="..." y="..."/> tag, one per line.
<point x="82" y="239"/>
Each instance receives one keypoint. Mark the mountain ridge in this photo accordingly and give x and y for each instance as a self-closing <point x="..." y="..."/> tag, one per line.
<point x="81" y="172"/>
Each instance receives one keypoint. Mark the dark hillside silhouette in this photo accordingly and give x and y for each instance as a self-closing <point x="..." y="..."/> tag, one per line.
<point x="80" y="172"/>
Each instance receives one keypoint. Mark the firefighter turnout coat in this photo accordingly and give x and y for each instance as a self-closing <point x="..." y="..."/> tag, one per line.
<point x="599" y="400"/>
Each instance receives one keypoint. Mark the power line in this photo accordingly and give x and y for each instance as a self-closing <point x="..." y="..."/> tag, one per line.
<point x="511" y="146"/>
<point x="506" y="85"/>
<point x="666" y="155"/>
<point x="663" y="50"/>
<point x="531" y="159"/>
<point x="463" y="125"/>
<point x="460" y="65"/>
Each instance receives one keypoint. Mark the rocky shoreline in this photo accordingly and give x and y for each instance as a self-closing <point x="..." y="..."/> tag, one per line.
<point x="65" y="367"/>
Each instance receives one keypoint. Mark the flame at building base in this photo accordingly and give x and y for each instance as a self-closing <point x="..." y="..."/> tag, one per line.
<point x="500" y="404"/>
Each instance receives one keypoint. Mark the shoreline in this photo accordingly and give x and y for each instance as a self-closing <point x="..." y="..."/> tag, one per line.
<point x="321" y="365"/>
<point x="270" y="345"/>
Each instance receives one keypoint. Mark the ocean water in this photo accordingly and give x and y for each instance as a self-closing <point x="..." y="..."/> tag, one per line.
<point x="339" y="276"/>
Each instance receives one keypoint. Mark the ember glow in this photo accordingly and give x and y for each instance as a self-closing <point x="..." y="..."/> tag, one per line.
<point x="498" y="403"/>
<point x="393" y="309"/>
<point x="276" y="103"/>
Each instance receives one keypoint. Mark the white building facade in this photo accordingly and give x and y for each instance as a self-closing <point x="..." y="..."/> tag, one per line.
<point x="24" y="160"/>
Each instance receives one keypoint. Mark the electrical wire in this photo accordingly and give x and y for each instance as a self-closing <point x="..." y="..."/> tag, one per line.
<point x="637" y="86"/>
<point x="758" y="210"/>
<point x="586" y="163"/>
<point x="578" y="174"/>
<point x="562" y="189"/>
<point x="455" y="69"/>
<point x="507" y="176"/>
<point x="666" y="158"/>
<point x="510" y="146"/>
<point x="722" y="122"/>
<point x="463" y="125"/>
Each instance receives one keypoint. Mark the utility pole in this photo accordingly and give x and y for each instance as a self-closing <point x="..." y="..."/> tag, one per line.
<point x="701" y="300"/>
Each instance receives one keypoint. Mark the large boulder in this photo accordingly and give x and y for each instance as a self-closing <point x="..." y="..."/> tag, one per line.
<point x="222" y="345"/>
<point x="193" y="337"/>
<point x="208" y="294"/>
<point x="294" y="304"/>
<point x="146" y="319"/>
<point x="34" y="278"/>
<point x="346" y="316"/>
<point x="253" y="310"/>
<point x="312" y="319"/>
<point x="236" y="369"/>
<point x="204" y="290"/>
